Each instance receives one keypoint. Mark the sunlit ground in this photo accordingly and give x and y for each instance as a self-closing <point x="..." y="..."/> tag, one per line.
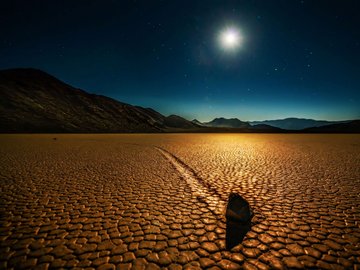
<point x="113" y="201"/>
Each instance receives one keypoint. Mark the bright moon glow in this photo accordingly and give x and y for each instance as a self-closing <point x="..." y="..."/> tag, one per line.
<point x="230" y="39"/>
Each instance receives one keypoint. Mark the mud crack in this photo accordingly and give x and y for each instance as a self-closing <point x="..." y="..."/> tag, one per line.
<point x="203" y="191"/>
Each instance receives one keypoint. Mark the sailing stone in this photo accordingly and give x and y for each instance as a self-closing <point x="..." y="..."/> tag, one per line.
<point x="238" y="220"/>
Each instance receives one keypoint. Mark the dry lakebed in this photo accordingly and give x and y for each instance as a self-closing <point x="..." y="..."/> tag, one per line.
<point x="145" y="201"/>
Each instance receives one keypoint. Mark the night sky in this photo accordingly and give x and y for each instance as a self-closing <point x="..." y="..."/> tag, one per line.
<point x="294" y="59"/>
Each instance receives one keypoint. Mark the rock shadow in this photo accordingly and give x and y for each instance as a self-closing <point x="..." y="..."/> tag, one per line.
<point x="238" y="220"/>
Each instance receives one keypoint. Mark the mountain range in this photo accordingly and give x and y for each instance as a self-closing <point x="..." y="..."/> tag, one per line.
<point x="288" y="125"/>
<point x="347" y="127"/>
<point x="34" y="101"/>
<point x="228" y="123"/>
<point x="296" y="123"/>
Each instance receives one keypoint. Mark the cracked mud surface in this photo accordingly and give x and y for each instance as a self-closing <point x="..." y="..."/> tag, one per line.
<point x="116" y="202"/>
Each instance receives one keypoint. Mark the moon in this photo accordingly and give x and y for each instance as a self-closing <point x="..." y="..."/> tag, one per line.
<point x="230" y="39"/>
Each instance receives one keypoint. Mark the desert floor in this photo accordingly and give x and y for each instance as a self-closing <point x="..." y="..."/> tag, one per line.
<point x="141" y="201"/>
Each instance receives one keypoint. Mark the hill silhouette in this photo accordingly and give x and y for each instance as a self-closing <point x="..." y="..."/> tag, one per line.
<point x="34" y="101"/>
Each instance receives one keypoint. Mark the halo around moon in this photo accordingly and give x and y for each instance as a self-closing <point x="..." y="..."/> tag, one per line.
<point x="230" y="39"/>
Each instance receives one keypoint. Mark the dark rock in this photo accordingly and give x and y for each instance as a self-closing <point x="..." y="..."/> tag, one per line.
<point x="238" y="220"/>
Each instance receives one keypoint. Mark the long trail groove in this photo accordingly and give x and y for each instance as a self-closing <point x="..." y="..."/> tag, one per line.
<point x="204" y="192"/>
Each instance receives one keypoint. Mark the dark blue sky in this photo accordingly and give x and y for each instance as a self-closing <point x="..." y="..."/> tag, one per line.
<point x="298" y="58"/>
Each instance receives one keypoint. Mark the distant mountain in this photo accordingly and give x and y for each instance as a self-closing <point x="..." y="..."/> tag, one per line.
<point x="227" y="123"/>
<point x="264" y="128"/>
<point x="34" y="101"/>
<point x="175" y="121"/>
<point x="197" y="122"/>
<point x="349" y="127"/>
<point x="295" y="123"/>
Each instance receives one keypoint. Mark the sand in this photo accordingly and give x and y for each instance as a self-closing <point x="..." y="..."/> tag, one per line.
<point x="117" y="201"/>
